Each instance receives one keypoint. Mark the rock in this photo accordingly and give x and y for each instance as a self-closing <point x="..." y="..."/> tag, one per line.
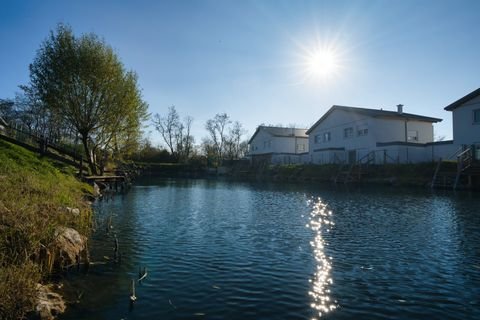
<point x="96" y="190"/>
<point x="74" y="211"/>
<point x="69" y="246"/>
<point x="49" y="304"/>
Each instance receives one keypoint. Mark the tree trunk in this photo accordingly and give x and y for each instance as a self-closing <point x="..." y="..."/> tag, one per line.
<point x="91" y="162"/>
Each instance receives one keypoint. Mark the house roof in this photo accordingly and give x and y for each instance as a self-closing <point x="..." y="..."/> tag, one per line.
<point x="462" y="100"/>
<point x="280" y="132"/>
<point x="375" y="113"/>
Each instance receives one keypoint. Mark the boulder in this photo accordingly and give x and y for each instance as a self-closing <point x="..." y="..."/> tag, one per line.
<point x="49" y="304"/>
<point x="74" y="211"/>
<point x="69" y="246"/>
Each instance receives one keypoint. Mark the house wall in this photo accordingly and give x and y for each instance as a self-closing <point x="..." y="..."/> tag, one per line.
<point x="445" y="150"/>
<point x="336" y="123"/>
<point x="264" y="142"/>
<point x="388" y="130"/>
<point x="406" y="154"/>
<point x="288" y="158"/>
<point x="465" y="131"/>
<point x="379" y="130"/>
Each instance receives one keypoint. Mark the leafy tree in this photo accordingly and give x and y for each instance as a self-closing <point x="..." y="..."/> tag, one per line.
<point x="81" y="81"/>
<point x="146" y="152"/>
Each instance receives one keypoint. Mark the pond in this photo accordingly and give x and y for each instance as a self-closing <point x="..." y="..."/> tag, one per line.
<point x="230" y="250"/>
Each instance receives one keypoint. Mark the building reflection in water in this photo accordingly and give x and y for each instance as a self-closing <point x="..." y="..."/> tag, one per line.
<point x="321" y="222"/>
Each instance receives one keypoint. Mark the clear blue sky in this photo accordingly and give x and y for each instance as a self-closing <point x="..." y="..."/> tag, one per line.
<point x="245" y="57"/>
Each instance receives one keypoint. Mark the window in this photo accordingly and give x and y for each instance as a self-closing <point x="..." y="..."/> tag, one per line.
<point x="412" y="135"/>
<point x="327" y="136"/>
<point x="348" y="132"/>
<point x="476" y="116"/>
<point x="318" y="138"/>
<point x="362" y="130"/>
<point x="300" y="147"/>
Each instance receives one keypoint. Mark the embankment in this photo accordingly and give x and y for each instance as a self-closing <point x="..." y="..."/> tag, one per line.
<point x="41" y="204"/>
<point x="419" y="175"/>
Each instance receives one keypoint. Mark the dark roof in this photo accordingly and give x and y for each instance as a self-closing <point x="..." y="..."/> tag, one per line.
<point x="461" y="101"/>
<point x="281" y="132"/>
<point x="375" y="113"/>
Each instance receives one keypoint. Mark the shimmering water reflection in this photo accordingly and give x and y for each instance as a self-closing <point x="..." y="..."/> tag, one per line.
<point x="222" y="250"/>
<point x="321" y="222"/>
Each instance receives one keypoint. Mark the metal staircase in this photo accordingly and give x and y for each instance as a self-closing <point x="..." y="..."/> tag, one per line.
<point x="459" y="174"/>
<point x="354" y="172"/>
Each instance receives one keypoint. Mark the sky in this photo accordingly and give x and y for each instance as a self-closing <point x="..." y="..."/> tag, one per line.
<point x="252" y="59"/>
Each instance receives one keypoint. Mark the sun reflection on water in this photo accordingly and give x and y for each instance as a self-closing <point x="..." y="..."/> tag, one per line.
<point x="321" y="222"/>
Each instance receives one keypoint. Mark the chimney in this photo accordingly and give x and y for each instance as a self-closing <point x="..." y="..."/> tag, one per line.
<point x="400" y="108"/>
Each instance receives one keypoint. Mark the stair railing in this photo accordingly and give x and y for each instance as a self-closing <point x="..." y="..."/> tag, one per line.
<point x="464" y="161"/>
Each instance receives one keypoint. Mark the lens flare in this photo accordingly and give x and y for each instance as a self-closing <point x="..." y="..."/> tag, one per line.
<point x="321" y="222"/>
<point x="322" y="63"/>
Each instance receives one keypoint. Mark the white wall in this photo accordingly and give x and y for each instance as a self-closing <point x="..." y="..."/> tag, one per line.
<point x="264" y="142"/>
<point x="388" y="130"/>
<point x="464" y="130"/>
<point x="335" y="123"/>
<point x="379" y="130"/>
<point x="443" y="150"/>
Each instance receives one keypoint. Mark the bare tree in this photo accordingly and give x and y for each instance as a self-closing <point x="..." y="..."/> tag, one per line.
<point x="234" y="140"/>
<point x="175" y="133"/>
<point x="6" y="109"/>
<point x="217" y="129"/>
<point x="187" y="140"/>
<point x="167" y="126"/>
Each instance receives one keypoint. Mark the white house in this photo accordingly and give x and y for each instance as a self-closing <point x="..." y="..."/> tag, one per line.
<point x="350" y="134"/>
<point x="278" y="145"/>
<point x="466" y="120"/>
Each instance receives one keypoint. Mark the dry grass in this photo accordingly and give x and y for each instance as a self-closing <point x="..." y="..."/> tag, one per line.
<point x="34" y="194"/>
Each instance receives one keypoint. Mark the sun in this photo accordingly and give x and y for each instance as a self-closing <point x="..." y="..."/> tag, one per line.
<point x="321" y="63"/>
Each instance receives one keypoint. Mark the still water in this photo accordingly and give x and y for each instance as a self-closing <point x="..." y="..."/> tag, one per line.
<point x="223" y="250"/>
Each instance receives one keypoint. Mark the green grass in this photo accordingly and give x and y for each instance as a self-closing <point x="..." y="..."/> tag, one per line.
<point x="34" y="193"/>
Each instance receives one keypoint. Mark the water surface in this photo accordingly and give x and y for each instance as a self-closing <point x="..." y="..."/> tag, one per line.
<point x="223" y="250"/>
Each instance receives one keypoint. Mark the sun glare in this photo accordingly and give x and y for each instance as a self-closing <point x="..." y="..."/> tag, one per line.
<point x="322" y="63"/>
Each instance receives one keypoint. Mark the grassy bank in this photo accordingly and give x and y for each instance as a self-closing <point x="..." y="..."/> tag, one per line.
<point x="34" y="194"/>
